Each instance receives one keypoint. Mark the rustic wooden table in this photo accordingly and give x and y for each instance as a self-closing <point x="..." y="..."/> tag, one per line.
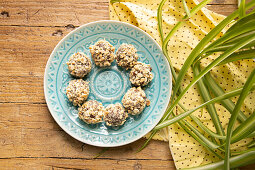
<point x="29" y="137"/>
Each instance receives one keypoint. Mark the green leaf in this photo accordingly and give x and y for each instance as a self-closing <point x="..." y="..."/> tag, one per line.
<point x="114" y="1"/>
<point x="244" y="129"/>
<point x="251" y="144"/>
<point x="206" y="97"/>
<point x="247" y="86"/>
<point x="248" y="54"/>
<point x="186" y="8"/>
<point x="197" y="50"/>
<point x="101" y="153"/>
<point x="248" y="26"/>
<point x="197" y="8"/>
<point x="180" y="23"/>
<point x="201" y="125"/>
<point x="242" y="21"/>
<point x="241" y="8"/>
<point x="236" y="161"/>
<point x="207" y="142"/>
<point x="237" y="38"/>
<point x="153" y="132"/>
<point x="208" y="131"/>
<point x="184" y="125"/>
<point x="218" y="91"/>
<point x="187" y="113"/>
<point x="251" y="135"/>
<point x="224" y="47"/>
<point x="159" y="18"/>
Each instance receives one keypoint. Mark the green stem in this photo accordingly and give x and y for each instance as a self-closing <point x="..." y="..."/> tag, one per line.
<point x="101" y="153"/>
<point x="236" y="161"/>
<point x="248" y="54"/>
<point x="208" y="143"/>
<point x="242" y="152"/>
<point x="186" y="8"/>
<point x="218" y="91"/>
<point x="180" y="23"/>
<point x="191" y="133"/>
<point x="251" y="144"/>
<point x="159" y="17"/>
<point x="241" y="8"/>
<point x="244" y="93"/>
<point x="201" y="125"/>
<point x="206" y="97"/>
<point x="208" y="131"/>
<point x="244" y="129"/>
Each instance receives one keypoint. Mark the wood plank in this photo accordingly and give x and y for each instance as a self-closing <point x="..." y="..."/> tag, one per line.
<point x="62" y="13"/>
<point x="22" y="66"/>
<point x="15" y="89"/>
<point x="28" y="130"/>
<point x="25" y="50"/>
<point x="56" y="163"/>
<point x="222" y="9"/>
<point x="216" y="2"/>
<point x="66" y="163"/>
<point x="52" y="12"/>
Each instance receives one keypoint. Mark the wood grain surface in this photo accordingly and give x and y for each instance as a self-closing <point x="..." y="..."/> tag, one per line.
<point x="29" y="137"/>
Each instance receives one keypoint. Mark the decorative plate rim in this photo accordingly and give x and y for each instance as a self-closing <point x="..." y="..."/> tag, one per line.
<point x="143" y="133"/>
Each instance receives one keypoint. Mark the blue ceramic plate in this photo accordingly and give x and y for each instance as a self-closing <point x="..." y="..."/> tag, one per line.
<point x="107" y="85"/>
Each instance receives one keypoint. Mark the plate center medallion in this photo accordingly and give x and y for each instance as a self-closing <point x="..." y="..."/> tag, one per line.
<point x="108" y="83"/>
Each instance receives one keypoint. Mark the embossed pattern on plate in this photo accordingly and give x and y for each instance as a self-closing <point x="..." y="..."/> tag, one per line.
<point x="107" y="85"/>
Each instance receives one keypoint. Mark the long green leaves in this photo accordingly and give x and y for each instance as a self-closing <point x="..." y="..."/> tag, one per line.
<point x="208" y="131"/>
<point x="159" y="17"/>
<point x="251" y="144"/>
<point x="248" y="54"/>
<point x="113" y="1"/>
<point x="180" y="23"/>
<point x="247" y="27"/>
<point x="197" y="50"/>
<point x="207" y="142"/>
<point x="185" y="114"/>
<point x="186" y="8"/>
<point x="241" y="6"/>
<point x="236" y="161"/>
<point x="243" y="130"/>
<point x="244" y="93"/>
<point x="243" y="151"/>
<point x="217" y="91"/>
<point x="206" y="97"/>
<point x="176" y="27"/>
<point x="184" y="125"/>
<point x="236" y="38"/>
<point x="206" y="70"/>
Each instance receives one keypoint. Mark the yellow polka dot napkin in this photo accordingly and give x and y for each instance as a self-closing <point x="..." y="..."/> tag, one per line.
<point x="185" y="150"/>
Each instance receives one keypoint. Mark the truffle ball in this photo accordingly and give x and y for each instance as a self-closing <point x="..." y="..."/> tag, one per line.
<point x="77" y="91"/>
<point x="140" y="74"/>
<point x="79" y="65"/>
<point x="91" y="112"/>
<point x="115" y="115"/>
<point x="102" y="53"/>
<point x="134" y="101"/>
<point x="126" y="56"/>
